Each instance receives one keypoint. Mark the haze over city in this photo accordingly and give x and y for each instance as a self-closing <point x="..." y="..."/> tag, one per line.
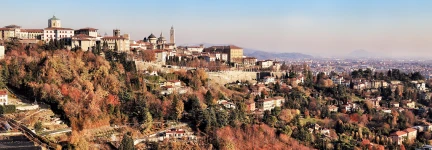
<point x="320" y="28"/>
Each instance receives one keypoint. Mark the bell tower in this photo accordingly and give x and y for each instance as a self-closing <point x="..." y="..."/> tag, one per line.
<point x="116" y="32"/>
<point x="172" y="38"/>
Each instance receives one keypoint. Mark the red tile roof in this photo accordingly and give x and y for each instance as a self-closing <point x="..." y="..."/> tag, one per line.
<point x="88" y="28"/>
<point x="234" y="47"/>
<point x="398" y="133"/>
<point x="58" y="29"/>
<point x="6" y="29"/>
<point x="114" y="38"/>
<point x="167" y="87"/>
<point x="32" y="30"/>
<point x="80" y="36"/>
<point x="250" y="58"/>
<point x="3" y="92"/>
<point x="408" y="130"/>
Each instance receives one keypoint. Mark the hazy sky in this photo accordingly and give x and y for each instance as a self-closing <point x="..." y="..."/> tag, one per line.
<point x="318" y="27"/>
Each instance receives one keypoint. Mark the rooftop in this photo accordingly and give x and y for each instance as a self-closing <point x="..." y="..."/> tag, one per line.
<point x="3" y="92"/>
<point x="398" y="133"/>
<point x="58" y="29"/>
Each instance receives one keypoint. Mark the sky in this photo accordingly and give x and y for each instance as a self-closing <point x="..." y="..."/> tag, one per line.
<point x="393" y="28"/>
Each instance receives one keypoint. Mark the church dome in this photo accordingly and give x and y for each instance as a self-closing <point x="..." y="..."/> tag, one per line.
<point x="54" y="18"/>
<point x="151" y="36"/>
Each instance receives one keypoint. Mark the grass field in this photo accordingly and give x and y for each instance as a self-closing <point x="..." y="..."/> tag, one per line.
<point x="311" y="120"/>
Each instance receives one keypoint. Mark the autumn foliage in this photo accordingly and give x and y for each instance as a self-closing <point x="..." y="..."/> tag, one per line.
<point x="255" y="137"/>
<point x="81" y="86"/>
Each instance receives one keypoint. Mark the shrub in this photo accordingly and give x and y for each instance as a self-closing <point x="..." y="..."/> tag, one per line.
<point x="7" y="109"/>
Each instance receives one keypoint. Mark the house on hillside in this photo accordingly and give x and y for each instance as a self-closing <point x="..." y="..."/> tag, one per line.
<point x="408" y="103"/>
<point x="269" y="79"/>
<point x="398" y="137"/>
<point x="337" y="79"/>
<point x="176" y="133"/>
<point x="250" y="106"/>
<point x="394" y="104"/>
<point x="375" y="101"/>
<point x="411" y="133"/>
<point x="3" y="97"/>
<point x="173" y="83"/>
<point x="270" y="103"/>
<point x="333" y="108"/>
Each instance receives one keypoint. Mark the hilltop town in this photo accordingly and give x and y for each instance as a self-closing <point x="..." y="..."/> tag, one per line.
<point x="66" y="88"/>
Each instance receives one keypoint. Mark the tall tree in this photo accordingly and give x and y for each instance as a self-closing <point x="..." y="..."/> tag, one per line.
<point x="147" y="119"/>
<point x="209" y="98"/>
<point x="115" y="47"/>
<point x="105" y="46"/>
<point x="127" y="142"/>
<point x="177" y="107"/>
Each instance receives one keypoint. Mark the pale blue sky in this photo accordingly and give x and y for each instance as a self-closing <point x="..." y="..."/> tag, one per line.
<point x="318" y="27"/>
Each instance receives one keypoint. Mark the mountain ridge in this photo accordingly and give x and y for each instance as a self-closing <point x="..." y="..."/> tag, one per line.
<point x="263" y="55"/>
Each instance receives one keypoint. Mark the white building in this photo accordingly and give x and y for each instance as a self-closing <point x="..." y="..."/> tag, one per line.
<point x="3" y="97"/>
<point x="337" y="79"/>
<point x="55" y="31"/>
<point x="210" y="58"/>
<point x="269" y="79"/>
<point x="2" y="52"/>
<point x="83" y="41"/>
<point x="270" y="103"/>
<point x="161" y="56"/>
<point x="198" y="49"/>
<point x="121" y="41"/>
<point x="87" y="31"/>
<point x="265" y="63"/>
<point x="17" y="32"/>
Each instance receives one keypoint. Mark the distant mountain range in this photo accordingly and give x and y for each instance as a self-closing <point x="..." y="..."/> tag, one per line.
<point x="365" y="54"/>
<point x="262" y="55"/>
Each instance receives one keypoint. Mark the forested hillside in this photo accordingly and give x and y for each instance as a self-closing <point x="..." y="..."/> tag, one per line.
<point x="95" y="89"/>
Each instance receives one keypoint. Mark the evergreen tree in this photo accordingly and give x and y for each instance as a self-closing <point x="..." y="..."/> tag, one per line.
<point x="105" y="46"/>
<point x="38" y="127"/>
<point x="277" y="87"/>
<point x="209" y="98"/>
<point x="222" y="118"/>
<point x="147" y="119"/>
<point x="396" y="94"/>
<point x="178" y="108"/>
<point x="127" y="143"/>
<point x="115" y="47"/>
